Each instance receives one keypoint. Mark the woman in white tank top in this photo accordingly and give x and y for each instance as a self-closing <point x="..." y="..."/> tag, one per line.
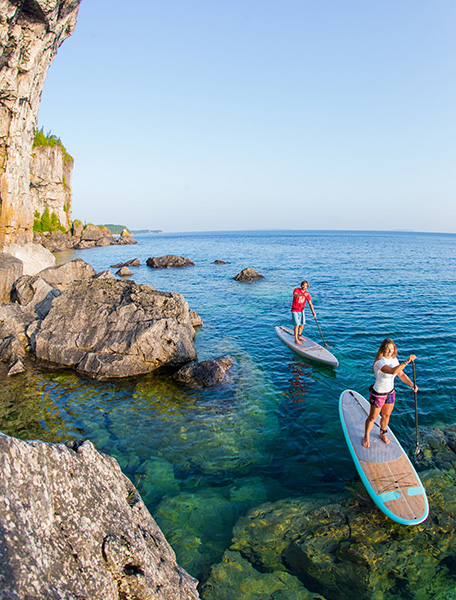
<point x="382" y="397"/>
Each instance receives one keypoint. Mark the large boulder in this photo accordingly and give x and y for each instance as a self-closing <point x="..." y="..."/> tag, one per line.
<point x="124" y="272"/>
<point x="92" y="233"/>
<point x="248" y="274"/>
<point x="125" y="238"/>
<point x="62" y="275"/>
<point x="108" y="328"/>
<point x="73" y="526"/>
<point x="169" y="261"/>
<point x="34" y="256"/>
<point x="10" y="269"/>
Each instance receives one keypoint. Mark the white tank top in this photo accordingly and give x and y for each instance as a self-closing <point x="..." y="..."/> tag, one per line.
<point x="384" y="382"/>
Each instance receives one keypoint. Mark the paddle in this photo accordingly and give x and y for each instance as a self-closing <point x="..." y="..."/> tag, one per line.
<point x="418" y="451"/>
<point x="316" y="321"/>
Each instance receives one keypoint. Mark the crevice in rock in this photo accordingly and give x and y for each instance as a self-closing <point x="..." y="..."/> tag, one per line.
<point x="32" y="11"/>
<point x="130" y="569"/>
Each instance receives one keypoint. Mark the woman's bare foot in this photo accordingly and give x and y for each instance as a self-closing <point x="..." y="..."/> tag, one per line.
<point x="298" y="342"/>
<point x="384" y="438"/>
<point x="366" y="442"/>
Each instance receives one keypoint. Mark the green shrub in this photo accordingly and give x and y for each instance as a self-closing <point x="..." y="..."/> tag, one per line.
<point x="49" y="139"/>
<point x="47" y="222"/>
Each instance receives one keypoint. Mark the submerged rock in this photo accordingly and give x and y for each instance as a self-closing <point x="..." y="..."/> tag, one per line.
<point x="220" y="262"/>
<point x="248" y="274"/>
<point x="235" y="577"/>
<point x="169" y="262"/>
<point x="107" y="328"/>
<point x="73" y="526"/>
<point x="346" y="548"/>
<point x="204" y="374"/>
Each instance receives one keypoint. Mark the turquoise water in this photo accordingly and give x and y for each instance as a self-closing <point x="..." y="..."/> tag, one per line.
<point x="202" y="458"/>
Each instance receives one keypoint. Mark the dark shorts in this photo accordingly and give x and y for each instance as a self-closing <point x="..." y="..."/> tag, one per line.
<point x="378" y="400"/>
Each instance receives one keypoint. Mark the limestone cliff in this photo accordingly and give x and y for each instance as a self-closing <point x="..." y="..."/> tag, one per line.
<point x="50" y="182"/>
<point x="31" y="31"/>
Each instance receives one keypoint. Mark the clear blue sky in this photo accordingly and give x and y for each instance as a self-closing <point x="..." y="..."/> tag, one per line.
<point x="191" y="115"/>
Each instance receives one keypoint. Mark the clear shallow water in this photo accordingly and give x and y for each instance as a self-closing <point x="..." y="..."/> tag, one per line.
<point x="202" y="458"/>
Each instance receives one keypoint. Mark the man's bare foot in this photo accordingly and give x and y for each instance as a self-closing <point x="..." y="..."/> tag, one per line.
<point x="298" y="342"/>
<point x="366" y="442"/>
<point x="384" y="438"/>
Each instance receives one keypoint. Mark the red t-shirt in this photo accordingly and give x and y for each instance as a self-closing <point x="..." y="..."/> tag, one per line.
<point x="300" y="298"/>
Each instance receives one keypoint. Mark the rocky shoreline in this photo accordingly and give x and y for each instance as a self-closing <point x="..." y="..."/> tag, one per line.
<point x="81" y="237"/>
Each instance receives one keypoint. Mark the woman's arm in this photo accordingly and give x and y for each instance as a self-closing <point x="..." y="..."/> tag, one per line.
<point x="406" y="379"/>
<point x="400" y="367"/>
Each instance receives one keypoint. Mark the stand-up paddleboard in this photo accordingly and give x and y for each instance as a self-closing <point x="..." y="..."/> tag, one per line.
<point x="385" y="469"/>
<point x="308" y="348"/>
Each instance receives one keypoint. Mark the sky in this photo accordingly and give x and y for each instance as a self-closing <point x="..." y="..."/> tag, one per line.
<point x="206" y="115"/>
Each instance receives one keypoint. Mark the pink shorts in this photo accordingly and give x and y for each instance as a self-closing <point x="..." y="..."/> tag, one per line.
<point x="378" y="400"/>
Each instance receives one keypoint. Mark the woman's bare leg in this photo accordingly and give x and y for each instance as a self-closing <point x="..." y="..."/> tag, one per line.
<point x="373" y="414"/>
<point x="384" y="421"/>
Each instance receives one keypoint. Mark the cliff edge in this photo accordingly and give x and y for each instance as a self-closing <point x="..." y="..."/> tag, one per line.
<point x="31" y="31"/>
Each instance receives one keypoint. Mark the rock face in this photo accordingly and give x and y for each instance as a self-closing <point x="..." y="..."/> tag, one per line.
<point x="50" y="182"/>
<point x="206" y="373"/>
<point x="14" y="322"/>
<point x="62" y="275"/>
<point x="35" y="293"/>
<point x="30" y="34"/>
<point x="248" y="274"/>
<point x="169" y="261"/>
<point x="73" y="526"/>
<point x="10" y="269"/>
<point x="106" y="328"/>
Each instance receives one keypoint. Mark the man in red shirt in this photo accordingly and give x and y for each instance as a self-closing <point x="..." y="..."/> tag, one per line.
<point x="300" y="297"/>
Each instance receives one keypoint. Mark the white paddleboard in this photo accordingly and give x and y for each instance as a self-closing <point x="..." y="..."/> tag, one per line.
<point x="385" y="469"/>
<point x="308" y="348"/>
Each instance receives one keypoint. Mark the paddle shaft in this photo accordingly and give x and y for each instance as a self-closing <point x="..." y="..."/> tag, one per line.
<point x="316" y="321"/>
<point x="418" y="449"/>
